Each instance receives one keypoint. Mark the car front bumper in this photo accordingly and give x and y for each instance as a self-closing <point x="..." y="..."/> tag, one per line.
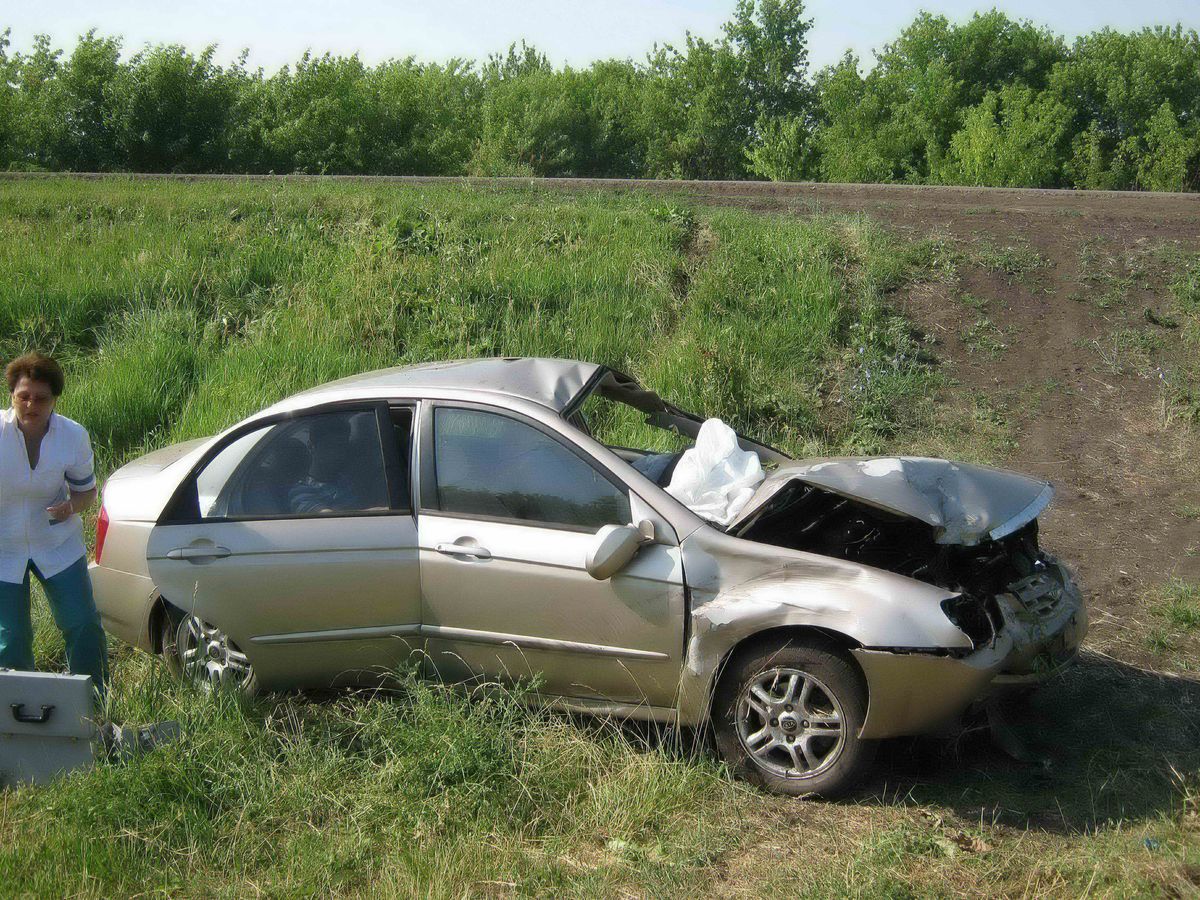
<point x="920" y="691"/>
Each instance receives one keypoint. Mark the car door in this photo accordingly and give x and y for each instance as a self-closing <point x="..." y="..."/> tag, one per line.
<point x="509" y="510"/>
<point x="295" y="536"/>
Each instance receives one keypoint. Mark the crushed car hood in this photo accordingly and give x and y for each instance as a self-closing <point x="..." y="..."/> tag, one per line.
<point x="964" y="503"/>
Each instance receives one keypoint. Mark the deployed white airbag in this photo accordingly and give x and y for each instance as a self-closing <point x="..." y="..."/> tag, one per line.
<point x="716" y="478"/>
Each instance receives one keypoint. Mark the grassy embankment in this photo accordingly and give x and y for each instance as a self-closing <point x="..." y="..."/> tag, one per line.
<point x="180" y="308"/>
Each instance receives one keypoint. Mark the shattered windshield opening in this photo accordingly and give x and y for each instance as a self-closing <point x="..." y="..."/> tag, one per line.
<point x="649" y="432"/>
<point x="654" y="450"/>
<point x="619" y="426"/>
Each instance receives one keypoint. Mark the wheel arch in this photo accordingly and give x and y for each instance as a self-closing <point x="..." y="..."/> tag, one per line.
<point x="777" y="635"/>
<point x="160" y="606"/>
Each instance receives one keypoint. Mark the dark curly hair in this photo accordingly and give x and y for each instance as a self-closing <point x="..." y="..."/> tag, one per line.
<point x="35" y="367"/>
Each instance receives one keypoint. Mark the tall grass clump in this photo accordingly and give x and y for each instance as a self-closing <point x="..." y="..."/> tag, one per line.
<point x="786" y="333"/>
<point x="183" y="307"/>
<point x="128" y="391"/>
<point x="420" y="789"/>
<point x="1185" y="289"/>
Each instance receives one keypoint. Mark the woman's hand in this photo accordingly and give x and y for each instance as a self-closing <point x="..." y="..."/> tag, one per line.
<point x="76" y="503"/>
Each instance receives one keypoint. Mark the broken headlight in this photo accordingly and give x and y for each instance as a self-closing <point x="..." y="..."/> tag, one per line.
<point x="978" y="618"/>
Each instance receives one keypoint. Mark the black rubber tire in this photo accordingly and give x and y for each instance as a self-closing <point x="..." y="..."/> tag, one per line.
<point x="168" y="628"/>
<point x="169" y="622"/>
<point x="837" y="671"/>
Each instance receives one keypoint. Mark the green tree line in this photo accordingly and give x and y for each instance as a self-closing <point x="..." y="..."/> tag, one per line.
<point x="991" y="101"/>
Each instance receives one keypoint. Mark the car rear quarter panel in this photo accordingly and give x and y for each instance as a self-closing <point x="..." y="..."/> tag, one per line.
<point x="121" y="583"/>
<point x="133" y="498"/>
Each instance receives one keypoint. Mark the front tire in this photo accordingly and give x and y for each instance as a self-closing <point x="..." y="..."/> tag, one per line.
<point x="787" y="717"/>
<point x="204" y="656"/>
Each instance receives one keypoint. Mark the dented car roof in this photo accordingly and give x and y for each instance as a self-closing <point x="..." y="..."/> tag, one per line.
<point x="551" y="382"/>
<point x="964" y="503"/>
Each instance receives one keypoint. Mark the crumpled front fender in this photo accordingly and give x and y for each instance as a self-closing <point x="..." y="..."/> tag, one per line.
<point x="740" y="589"/>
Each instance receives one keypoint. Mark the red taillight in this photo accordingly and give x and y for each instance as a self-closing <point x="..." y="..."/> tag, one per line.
<point x="101" y="531"/>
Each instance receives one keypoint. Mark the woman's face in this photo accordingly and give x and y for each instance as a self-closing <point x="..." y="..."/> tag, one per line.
<point x="33" y="402"/>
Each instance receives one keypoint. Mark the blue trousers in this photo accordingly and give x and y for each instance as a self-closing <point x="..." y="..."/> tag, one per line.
<point x="74" y="611"/>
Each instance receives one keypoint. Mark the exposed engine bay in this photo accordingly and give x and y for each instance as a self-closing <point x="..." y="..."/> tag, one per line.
<point x="807" y="518"/>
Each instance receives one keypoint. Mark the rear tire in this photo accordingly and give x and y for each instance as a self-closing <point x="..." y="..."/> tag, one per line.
<point x="204" y="656"/>
<point x="787" y="717"/>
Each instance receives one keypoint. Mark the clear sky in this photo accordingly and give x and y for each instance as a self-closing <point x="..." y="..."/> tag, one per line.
<point x="570" y="31"/>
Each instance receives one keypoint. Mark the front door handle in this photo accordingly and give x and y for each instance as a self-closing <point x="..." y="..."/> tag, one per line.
<point x="198" y="553"/>
<point x="464" y="550"/>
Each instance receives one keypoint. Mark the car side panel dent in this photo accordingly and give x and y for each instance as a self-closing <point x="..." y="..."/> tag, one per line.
<point x="740" y="588"/>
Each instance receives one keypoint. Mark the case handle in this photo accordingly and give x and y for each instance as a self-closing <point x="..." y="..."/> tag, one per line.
<point x="20" y="716"/>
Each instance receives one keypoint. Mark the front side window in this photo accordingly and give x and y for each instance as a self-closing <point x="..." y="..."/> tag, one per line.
<point x="490" y="465"/>
<point x="320" y="465"/>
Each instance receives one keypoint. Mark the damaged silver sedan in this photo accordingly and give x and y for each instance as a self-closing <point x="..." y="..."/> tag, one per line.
<point x="511" y="519"/>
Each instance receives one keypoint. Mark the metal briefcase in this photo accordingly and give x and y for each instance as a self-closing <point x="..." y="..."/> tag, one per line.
<point x="47" y="725"/>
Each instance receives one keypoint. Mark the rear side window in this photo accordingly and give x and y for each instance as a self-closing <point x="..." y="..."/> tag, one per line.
<point x="320" y="465"/>
<point x="493" y="466"/>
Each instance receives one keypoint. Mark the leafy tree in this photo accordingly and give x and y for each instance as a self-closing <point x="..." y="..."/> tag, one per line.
<point x="991" y="100"/>
<point x="83" y="98"/>
<point x="8" y="102"/>
<point x="1117" y="83"/>
<point x="696" y="118"/>
<point x="1013" y="138"/>
<point x="320" y="118"/>
<point x="883" y="127"/>
<point x="170" y="111"/>
<point x="895" y="124"/>
<point x="539" y="121"/>
<point x="1171" y="160"/>
<point x="783" y="150"/>
<point x="770" y="42"/>
<point x="37" y="125"/>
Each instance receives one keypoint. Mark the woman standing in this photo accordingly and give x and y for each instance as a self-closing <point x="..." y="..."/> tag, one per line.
<point x="46" y="480"/>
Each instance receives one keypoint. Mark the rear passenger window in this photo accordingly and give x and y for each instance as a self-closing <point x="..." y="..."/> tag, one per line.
<point x="321" y="465"/>
<point x="490" y="465"/>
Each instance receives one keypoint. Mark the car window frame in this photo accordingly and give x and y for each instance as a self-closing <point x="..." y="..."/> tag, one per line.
<point x="427" y="477"/>
<point x="183" y="507"/>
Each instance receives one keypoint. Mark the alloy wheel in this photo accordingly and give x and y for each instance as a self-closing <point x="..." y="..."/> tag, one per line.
<point x="790" y="723"/>
<point x="208" y="658"/>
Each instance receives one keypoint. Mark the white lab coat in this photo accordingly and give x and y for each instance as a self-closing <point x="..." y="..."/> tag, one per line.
<point x="26" y="532"/>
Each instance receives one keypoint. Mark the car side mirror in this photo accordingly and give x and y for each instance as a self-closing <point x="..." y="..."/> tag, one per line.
<point x="615" y="546"/>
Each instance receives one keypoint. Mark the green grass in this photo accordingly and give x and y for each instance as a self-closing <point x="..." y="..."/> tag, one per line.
<point x="421" y="790"/>
<point x="1185" y="382"/>
<point x="1013" y="261"/>
<point x="1179" y="605"/>
<point x="1176" y="626"/>
<point x="180" y="308"/>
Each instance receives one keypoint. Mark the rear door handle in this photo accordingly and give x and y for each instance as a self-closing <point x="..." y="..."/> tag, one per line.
<point x="199" y="553"/>
<point x="464" y="550"/>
